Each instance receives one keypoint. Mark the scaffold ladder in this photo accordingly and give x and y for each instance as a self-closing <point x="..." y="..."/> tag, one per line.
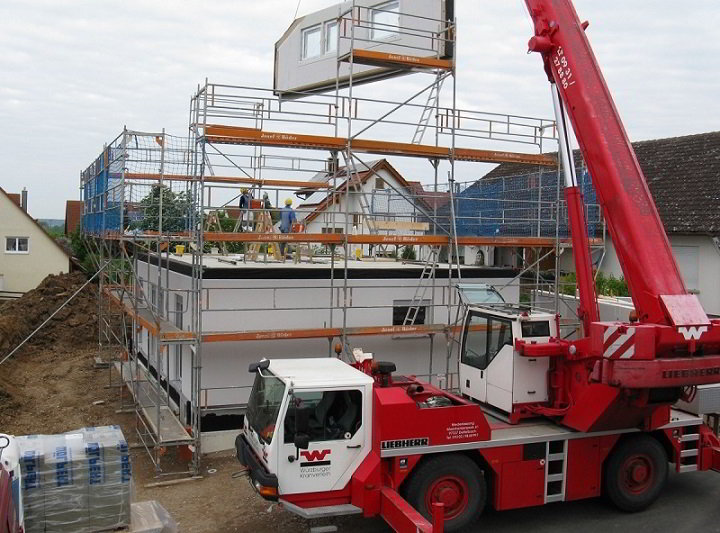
<point x="427" y="112"/>
<point x="426" y="275"/>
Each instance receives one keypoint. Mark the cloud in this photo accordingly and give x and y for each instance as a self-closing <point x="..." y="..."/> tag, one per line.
<point x="73" y="73"/>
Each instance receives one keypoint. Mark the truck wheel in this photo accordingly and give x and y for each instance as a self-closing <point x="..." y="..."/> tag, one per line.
<point x="454" y="480"/>
<point x="635" y="473"/>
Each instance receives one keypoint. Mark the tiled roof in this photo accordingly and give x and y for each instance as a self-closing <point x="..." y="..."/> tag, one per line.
<point x="683" y="174"/>
<point x="73" y="215"/>
<point x="16" y="198"/>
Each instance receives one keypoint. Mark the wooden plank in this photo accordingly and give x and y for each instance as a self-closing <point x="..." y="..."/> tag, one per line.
<point x="237" y="135"/>
<point x="395" y="225"/>
<point x="390" y="60"/>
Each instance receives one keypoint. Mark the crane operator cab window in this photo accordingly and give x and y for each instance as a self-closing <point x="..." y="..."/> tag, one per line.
<point x="484" y="338"/>
<point x="486" y="356"/>
<point x="324" y="415"/>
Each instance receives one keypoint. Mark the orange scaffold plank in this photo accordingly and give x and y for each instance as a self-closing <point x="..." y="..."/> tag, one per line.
<point x="321" y="333"/>
<point x="390" y="60"/>
<point x="339" y="238"/>
<point x="238" y="135"/>
<point x="145" y="320"/>
<point x="231" y="179"/>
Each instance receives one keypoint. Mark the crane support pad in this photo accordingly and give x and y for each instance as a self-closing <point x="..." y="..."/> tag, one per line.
<point x="662" y="373"/>
<point x="400" y="515"/>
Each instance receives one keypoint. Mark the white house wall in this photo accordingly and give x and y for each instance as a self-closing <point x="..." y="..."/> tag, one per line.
<point x="698" y="259"/>
<point x="23" y="271"/>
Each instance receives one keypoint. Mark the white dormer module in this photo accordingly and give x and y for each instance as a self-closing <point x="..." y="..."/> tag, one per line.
<point x="381" y="38"/>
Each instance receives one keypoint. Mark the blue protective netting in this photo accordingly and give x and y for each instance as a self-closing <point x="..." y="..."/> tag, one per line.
<point x="521" y="206"/>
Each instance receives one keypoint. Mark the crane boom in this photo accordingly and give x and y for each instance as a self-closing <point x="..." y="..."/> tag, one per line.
<point x="633" y="221"/>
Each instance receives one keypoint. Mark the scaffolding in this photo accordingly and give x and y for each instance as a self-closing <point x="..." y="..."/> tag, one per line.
<point x="155" y="201"/>
<point x="125" y="216"/>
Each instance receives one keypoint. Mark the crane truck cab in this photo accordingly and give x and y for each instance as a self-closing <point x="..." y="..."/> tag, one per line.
<point x="307" y="426"/>
<point x="492" y="371"/>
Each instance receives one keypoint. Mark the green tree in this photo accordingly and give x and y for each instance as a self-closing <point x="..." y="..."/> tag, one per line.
<point x="604" y="285"/>
<point x="78" y="244"/>
<point x="227" y="225"/>
<point x="176" y="210"/>
<point x="408" y="253"/>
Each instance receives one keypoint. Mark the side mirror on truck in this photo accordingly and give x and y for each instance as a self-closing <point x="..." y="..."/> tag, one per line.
<point x="302" y="441"/>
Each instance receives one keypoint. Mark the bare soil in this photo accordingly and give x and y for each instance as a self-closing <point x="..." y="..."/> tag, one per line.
<point x="51" y="384"/>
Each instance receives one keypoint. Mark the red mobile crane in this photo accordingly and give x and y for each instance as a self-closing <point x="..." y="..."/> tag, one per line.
<point x="539" y="419"/>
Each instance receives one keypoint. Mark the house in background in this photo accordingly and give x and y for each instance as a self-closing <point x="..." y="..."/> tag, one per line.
<point x="29" y="254"/>
<point x="683" y="174"/>
<point x="381" y="201"/>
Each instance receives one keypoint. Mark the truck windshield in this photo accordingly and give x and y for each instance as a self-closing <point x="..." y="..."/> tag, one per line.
<point x="264" y="405"/>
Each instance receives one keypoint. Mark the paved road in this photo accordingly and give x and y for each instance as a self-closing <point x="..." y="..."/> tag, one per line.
<point x="690" y="503"/>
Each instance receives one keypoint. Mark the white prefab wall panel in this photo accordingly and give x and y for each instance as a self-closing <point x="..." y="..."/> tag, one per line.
<point x="305" y="61"/>
<point x="279" y="304"/>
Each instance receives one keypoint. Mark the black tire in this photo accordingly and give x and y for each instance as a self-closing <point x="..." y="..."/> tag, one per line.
<point x="456" y="477"/>
<point x="635" y="473"/>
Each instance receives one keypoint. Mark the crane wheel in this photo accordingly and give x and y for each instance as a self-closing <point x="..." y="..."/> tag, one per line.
<point x="456" y="481"/>
<point x="635" y="473"/>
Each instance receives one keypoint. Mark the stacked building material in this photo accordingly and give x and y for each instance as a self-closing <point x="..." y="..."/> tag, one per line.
<point x="75" y="482"/>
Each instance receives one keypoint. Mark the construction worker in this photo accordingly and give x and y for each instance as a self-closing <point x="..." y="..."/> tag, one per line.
<point x="245" y="199"/>
<point x="287" y="219"/>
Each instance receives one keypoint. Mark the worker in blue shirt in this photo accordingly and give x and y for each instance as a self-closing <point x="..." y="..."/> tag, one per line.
<point x="287" y="218"/>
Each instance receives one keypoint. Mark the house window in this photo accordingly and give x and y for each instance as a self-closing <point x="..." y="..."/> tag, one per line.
<point x="384" y="20"/>
<point x="401" y="308"/>
<point x="153" y="297"/>
<point x="161" y="302"/>
<point x="17" y="245"/>
<point x="356" y="221"/>
<point x="331" y="36"/>
<point x="312" y="42"/>
<point x="379" y="183"/>
<point x="331" y="230"/>
<point x="688" y="261"/>
<point x="179" y="325"/>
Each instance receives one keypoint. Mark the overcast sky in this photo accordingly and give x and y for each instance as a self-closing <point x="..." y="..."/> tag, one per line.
<point x="73" y="72"/>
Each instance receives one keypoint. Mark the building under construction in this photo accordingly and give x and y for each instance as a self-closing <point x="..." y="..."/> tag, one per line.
<point x="393" y="232"/>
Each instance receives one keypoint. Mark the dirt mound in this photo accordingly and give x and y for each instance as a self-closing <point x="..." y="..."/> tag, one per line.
<point x="50" y="383"/>
<point x="75" y="324"/>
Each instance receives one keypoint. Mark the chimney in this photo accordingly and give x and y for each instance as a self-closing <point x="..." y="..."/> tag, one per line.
<point x="332" y="164"/>
<point x="23" y="200"/>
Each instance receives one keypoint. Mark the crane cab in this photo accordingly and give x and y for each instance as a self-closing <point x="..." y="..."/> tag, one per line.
<point x="491" y="371"/>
